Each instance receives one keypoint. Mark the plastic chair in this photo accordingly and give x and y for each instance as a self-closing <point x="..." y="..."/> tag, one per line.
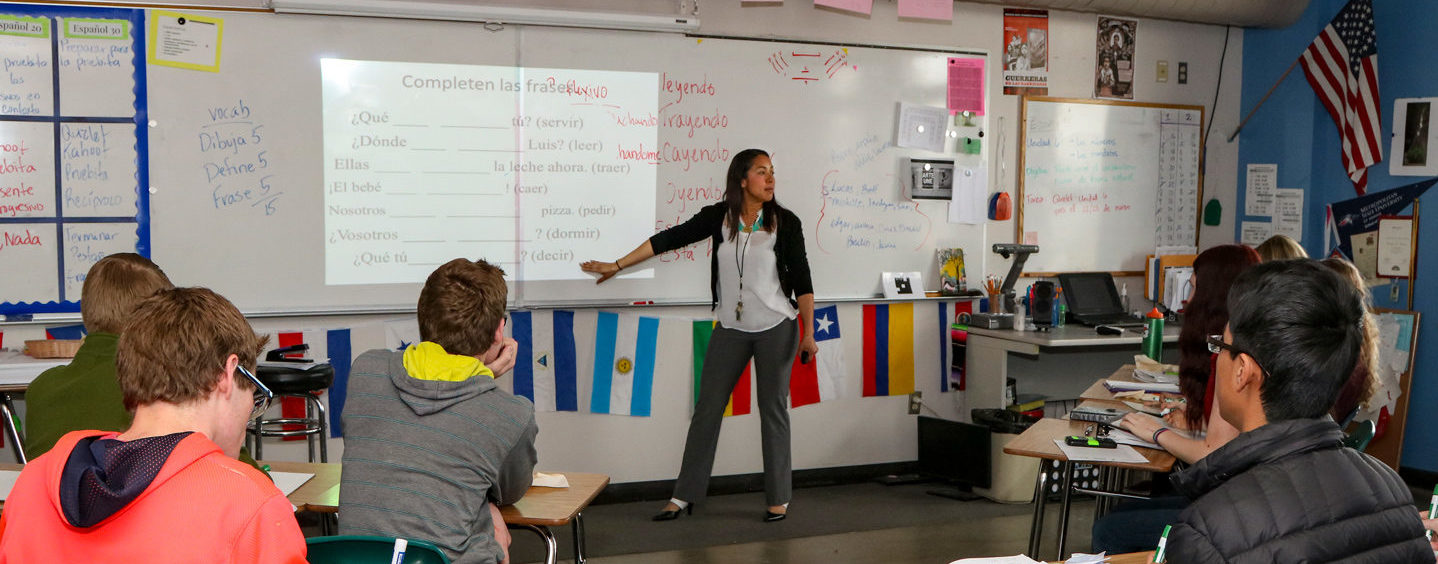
<point x="359" y="549"/>
<point x="1362" y="433"/>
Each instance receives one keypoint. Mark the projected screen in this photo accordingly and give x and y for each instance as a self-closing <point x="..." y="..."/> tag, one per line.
<point x="532" y="169"/>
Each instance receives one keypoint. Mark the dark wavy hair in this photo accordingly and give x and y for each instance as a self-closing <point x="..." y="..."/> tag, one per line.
<point x="1304" y="325"/>
<point x="1206" y="314"/>
<point x="734" y="193"/>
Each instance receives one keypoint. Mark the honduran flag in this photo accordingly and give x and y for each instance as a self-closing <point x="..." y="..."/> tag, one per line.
<point x="888" y="349"/>
<point x="823" y="377"/>
<point x="399" y="334"/>
<point x="70" y="332"/>
<point x="739" y="403"/>
<point x="545" y="365"/>
<point x="624" y="352"/>
<point x="333" y="346"/>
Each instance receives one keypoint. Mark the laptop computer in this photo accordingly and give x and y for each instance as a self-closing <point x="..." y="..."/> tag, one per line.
<point x="1093" y="300"/>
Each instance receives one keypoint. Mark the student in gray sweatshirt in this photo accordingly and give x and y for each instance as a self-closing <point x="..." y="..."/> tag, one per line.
<point x="432" y="445"/>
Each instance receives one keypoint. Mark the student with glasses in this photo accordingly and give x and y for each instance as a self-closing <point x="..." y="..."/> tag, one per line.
<point x="183" y="364"/>
<point x="1286" y="490"/>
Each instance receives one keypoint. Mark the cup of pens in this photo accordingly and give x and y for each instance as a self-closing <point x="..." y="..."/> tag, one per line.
<point x="992" y="286"/>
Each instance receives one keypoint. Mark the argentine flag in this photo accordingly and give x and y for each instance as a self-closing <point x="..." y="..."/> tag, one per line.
<point x="624" y="351"/>
<point x="544" y="368"/>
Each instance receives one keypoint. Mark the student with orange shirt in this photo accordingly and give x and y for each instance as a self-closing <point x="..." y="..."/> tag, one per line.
<point x="185" y="367"/>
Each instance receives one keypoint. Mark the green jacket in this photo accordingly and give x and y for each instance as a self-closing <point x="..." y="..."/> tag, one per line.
<point x="83" y="395"/>
<point x="78" y="396"/>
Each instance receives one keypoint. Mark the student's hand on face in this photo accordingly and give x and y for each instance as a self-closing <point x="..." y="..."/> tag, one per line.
<point x="502" y="364"/>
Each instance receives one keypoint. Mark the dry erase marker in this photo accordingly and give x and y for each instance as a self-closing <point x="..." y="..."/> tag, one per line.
<point x="1158" y="555"/>
<point x="399" y="547"/>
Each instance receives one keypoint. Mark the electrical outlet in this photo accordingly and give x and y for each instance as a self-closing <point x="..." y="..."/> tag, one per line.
<point x="1182" y="73"/>
<point x="1162" y="74"/>
<point x="916" y="399"/>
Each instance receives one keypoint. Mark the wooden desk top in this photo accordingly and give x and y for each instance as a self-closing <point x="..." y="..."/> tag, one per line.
<point x="552" y="507"/>
<point x="322" y="493"/>
<point x="1038" y="442"/>
<point x="1131" y="558"/>
<point x="539" y="506"/>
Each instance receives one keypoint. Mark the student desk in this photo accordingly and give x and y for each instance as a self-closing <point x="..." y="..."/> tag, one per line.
<point x="1038" y="442"/>
<point x="539" y="509"/>
<point x="1057" y="363"/>
<point x="16" y="373"/>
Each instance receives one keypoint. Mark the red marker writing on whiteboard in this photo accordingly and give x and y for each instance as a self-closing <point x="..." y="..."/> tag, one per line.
<point x="645" y="302"/>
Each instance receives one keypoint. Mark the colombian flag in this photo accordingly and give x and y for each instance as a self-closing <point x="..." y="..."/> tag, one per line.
<point x="888" y="349"/>
<point x="739" y="398"/>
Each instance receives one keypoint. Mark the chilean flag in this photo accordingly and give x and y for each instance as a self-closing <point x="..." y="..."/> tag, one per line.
<point x="545" y="368"/>
<point x="823" y="377"/>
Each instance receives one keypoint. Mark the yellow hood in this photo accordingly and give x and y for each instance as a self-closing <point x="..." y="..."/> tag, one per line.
<point x="429" y="361"/>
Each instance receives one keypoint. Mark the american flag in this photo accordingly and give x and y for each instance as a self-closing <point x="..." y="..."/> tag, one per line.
<point x="1342" y="67"/>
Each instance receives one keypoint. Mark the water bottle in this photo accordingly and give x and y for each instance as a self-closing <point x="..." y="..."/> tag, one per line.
<point x="1153" y="336"/>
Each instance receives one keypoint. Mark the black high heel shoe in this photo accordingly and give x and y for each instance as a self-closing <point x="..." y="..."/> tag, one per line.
<point x="667" y="515"/>
<point x="770" y="516"/>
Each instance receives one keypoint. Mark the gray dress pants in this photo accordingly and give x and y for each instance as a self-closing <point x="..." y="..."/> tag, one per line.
<point x="729" y="350"/>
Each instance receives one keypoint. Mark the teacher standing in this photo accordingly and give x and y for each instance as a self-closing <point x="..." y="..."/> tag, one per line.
<point x="759" y="280"/>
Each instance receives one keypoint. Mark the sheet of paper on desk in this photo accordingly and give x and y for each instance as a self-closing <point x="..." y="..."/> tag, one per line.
<point x="1123" y="453"/>
<point x="1081" y="558"/>
<point x="288" y="482"/>
<point x="550" y="480"/>
<point x="7" y="482"/>
<point x="1020" y="559"/>
<point x="1123" y="437"/>
<point x="1125" y="385"/>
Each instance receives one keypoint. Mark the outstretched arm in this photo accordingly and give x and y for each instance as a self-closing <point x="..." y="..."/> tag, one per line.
<point x="607" y="270"/>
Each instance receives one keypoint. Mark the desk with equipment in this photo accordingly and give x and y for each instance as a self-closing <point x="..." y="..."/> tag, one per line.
<point x="1059" y="363"/>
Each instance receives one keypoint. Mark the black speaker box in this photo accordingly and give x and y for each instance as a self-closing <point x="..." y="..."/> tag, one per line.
<point x="1041" y="306"/>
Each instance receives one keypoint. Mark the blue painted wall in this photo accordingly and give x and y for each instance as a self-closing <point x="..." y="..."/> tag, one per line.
<point x="1293" y="129"/>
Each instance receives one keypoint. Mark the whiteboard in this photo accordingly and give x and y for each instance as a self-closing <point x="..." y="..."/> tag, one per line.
<point x="826" y="113"/>
<point x="1105" y="183"/>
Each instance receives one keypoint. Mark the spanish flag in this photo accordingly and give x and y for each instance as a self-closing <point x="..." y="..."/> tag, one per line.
<point x="888" y="349"/>
<point x="739" y="398"/>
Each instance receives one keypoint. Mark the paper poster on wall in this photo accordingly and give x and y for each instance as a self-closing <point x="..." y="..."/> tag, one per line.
<point x="859" y="6"/>
<point x="1255" y="233"/>
<point x="1113" y="73"/>
<point x="185" y="41"/>
<point x="927" y="9"/>
<point x="1395" y="246"/>
<point x="1365" y="254"/>
<point x="1288" y="213"/>
<point x="921" y="127"/>
<point x="966" y="85"/>
<point x="1262" y="181"/>
<point x="971" y="189"/>
<point x="1026" y="52"/>
<point x="1412" y="136"/>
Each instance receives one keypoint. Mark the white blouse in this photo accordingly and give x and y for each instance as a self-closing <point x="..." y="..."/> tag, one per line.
<point x="765" y="305"/>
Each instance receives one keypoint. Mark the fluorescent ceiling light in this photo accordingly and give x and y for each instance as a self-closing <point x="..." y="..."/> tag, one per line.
<point x="488" y="14"/>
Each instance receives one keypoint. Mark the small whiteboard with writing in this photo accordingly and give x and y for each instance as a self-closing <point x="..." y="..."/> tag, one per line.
<point x="1104" y="183"/>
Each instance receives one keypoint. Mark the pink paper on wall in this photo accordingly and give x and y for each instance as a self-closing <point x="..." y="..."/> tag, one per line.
<point x="927" y="9"/>
<point x="966" y="85"/>
<point x="861" y="6"/>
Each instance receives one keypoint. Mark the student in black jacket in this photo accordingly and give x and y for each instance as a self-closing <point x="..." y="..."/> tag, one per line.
<point x="759" y="283"/>
<point x="1286" y="490"/>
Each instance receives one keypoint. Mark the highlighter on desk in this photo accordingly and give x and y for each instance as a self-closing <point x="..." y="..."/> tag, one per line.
<point x="1432" y="511"/>
<point x="1158" y="555"/>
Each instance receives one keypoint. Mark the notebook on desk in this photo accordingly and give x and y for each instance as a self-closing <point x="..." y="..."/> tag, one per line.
<point x="1093" y="300"/>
